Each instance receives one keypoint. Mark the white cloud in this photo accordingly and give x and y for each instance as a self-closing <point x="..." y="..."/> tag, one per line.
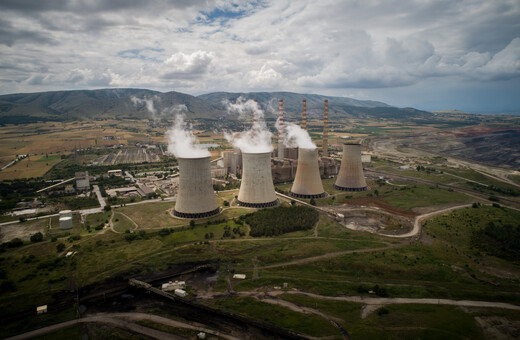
<point x="199" y="46"/>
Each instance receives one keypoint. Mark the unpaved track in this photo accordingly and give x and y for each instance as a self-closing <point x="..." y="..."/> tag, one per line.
<point x="126" y="321"/>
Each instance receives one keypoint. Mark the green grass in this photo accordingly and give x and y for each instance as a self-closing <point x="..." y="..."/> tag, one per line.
<point x="279" y="316"/>
<point x="122" y="223"/>
<point x="421" y="195"/>
<point x="49" y="158"/>
<point x="417" y="322"/>
<point x="73" y="332"/>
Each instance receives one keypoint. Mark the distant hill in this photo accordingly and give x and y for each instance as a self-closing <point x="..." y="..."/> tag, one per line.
<point x="338" y="106"/>
<point x="113" y="103"/>
<point x="95" y="104"/>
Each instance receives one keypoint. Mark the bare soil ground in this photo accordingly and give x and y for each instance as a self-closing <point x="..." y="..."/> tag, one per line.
<point x="22" y="230"/>
<point x="498" y="327"/>
<point x="379" y="203"/>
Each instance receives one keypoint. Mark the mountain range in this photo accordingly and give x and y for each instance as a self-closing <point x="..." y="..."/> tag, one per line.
<point x="111" y="103"/>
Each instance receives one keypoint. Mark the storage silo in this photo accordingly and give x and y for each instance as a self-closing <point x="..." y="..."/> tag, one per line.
<point x="195" y="198"/>
<point x="257" y="189"/>
<point x="307" y="182"/>
<point x="350" y="176"/>
<point x="65" y="219"/>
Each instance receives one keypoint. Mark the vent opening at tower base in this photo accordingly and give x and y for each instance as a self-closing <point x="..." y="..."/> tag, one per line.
<point x="323" y="194"/>
<point x="196" y="215"/>
<point x="258" y="205"/>
<point x="350" y="189"/>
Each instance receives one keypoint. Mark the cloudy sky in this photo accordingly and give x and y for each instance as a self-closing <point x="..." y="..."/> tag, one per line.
<point x="429" y="54"/>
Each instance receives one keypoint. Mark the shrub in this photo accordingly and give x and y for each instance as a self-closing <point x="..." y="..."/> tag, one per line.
<point x="38" y="237"/>
<point x="60" y="247"/>
<point x="281" y="220"/>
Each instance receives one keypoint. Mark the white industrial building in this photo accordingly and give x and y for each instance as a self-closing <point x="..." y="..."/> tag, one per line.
<point x="65" y="219"/>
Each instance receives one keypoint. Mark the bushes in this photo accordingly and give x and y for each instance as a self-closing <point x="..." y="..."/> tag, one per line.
<point x="60" y="247"/>
<point x="281" y="220"/>
<point x="38" y="237"/>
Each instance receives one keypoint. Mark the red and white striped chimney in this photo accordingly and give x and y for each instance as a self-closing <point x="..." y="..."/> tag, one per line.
<point x="304" y="115"/>
<point x="325" y="146"/>
<point x="281" y="146"/>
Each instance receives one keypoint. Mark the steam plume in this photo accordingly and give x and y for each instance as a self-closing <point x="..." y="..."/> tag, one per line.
<point x="295" y="136"/>
<point x="181" y="141"/>
<point x="258" y="138"/>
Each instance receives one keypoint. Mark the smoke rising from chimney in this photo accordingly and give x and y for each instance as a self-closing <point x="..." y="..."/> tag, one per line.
<point x="295" y="136"/>
<point x="258" y="138"/>
<point x="181" y="141"/>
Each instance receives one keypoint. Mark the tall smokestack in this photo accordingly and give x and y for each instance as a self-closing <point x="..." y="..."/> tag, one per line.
<point x="325" y="147"/>
<point x="304" y="115"/>
<point x="196" y="198"/>
<point x="255" y="114"/>
<point x="281" y="147"/>
<point x="350" y="176"/>
<point x="307" y="182"/>
<point x="256" y="189"/>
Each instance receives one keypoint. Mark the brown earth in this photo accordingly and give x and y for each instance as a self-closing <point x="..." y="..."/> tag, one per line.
<point x="379" y="203"/>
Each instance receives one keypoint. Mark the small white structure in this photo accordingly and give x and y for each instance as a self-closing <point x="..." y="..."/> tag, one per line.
<point x="172" y="286"/>
<point x="180" y="292"/>
<point x="366" y="158"/>
<point x="239" y="276"/>
<point x="41" y="309"/>
<point x="65" y="219"/>
<point x="118" y="173"/>
<point x="201" y="335"/>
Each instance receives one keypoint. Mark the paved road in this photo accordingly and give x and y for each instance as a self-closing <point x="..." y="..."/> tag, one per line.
<point x="100" y="198"/>
<point x="127" y="321"/>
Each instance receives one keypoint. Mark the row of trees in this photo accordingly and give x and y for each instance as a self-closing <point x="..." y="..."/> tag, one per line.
<point x="280" y="220"/>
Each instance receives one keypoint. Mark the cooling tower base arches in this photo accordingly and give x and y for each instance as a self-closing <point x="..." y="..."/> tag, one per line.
<point x="195" y="215"/>
<point x="323" y="194"/>
<point x="351" y="189"/>
<point x="258" y="205"/>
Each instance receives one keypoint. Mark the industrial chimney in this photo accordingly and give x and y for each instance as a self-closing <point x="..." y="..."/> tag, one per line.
<point x="350" y="176"/>
<point x="256" y="189"/>
<point x="196" y="198"/>
<point x="307" y="182"/>
<point x="325" y="146"/>
<point x="304" y="115"/>
<point x="281" y="147"/>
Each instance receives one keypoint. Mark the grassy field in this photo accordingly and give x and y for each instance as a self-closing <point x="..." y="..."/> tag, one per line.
<point x="276" y="315"/>
<point x="28" y="168"/>
<point x="122" y="223"/>
<point x="397" y="321"/>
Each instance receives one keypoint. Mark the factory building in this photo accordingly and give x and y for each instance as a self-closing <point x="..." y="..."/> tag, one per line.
<point x="257" y="189"/>
<point x="350" y="176"/>
<point x="82" y="181"/>
<point x="307" y="183"/>
<point x="195" y="198"/>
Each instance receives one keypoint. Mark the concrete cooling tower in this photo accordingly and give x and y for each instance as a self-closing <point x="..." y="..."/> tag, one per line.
<point x="307" y="182"/>
<point x="257" y="189"/>
<point x="350" y="176"/>
<point x="195" y="198"/>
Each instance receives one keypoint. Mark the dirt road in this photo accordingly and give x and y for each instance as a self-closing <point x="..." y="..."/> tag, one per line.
<point x="126" y="321"/>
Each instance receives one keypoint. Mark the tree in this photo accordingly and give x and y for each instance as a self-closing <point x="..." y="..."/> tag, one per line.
<point x="60" y="247"/>
<point x="38" y="237"/>
<point x="313" y="201"/>
<point x="107" y="208"/>
<point x="192" y="223"/>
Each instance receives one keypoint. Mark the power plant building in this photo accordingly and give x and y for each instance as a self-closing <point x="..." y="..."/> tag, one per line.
<point x="350" y="176"/>
<point x="257" y="189"/>
<point x="307" y="183"/>
<point x="195" y="198"/>
<point x="82" y="180"/>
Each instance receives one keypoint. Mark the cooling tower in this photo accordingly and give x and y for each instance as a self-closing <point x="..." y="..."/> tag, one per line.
<point x="307" y="182"/>
<point x="257" y="189"/>
<point x="350" y="176"/>
<point x="196" y="197"/>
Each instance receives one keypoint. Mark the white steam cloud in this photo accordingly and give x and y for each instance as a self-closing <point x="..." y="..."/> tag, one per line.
<point x="258" y="138"/>
<point x="295" y="136"/>
<point x="149" y="102"/>
<point x="181" y="141"/>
